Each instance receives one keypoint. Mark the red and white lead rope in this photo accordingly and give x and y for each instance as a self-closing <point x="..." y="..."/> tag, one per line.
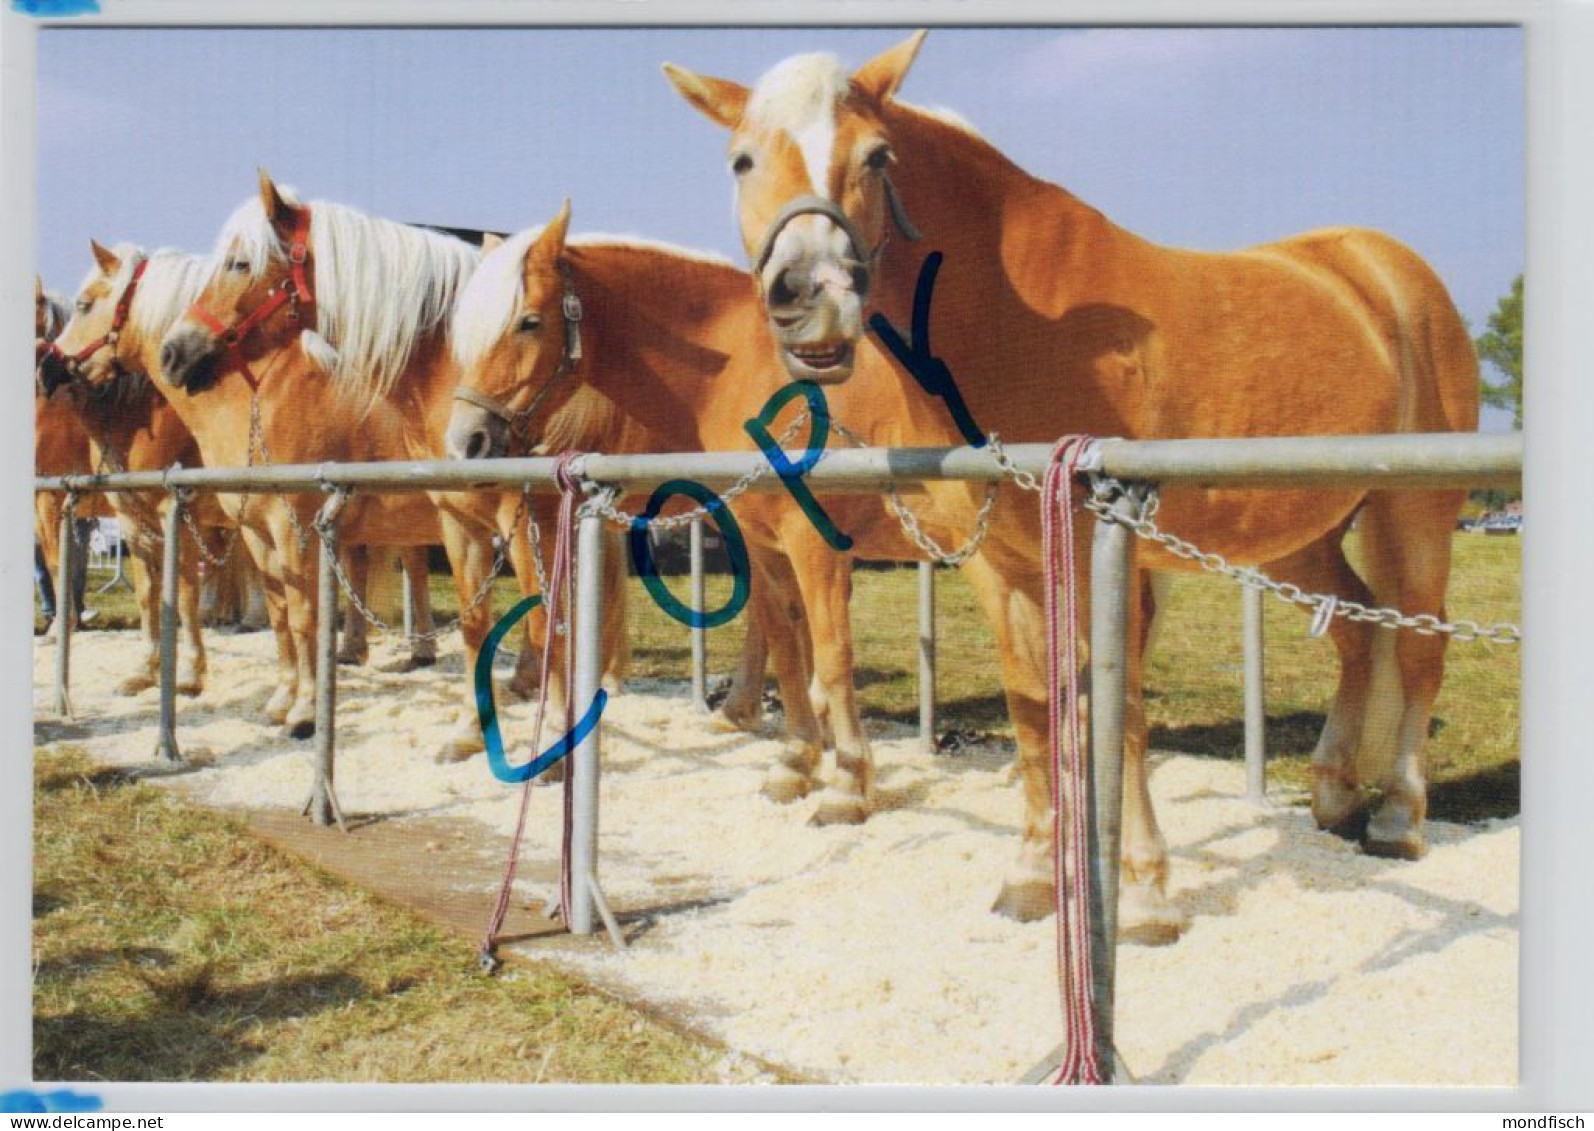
<point x="1070" y="814"/>
<point x="557" y="603"/>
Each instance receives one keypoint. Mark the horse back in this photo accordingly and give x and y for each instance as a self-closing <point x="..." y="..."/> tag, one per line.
<point x="1418" y="320"/>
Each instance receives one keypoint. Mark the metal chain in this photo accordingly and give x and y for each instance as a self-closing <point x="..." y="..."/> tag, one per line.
<point x="1104" y="491"/>
<point x="910" y="521"/>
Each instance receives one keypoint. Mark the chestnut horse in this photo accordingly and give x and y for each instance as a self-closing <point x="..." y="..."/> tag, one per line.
<point x="133" y="428"/>
<point x="61" y="446"/>
<point x="333" y="326"/>
<point x="1055" y="321"/>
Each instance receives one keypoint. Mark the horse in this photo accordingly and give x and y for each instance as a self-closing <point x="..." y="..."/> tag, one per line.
<point x="1056" y="321"/>
<point x="329" y="327"/>
<point x="61" y="446"/>
<point x="133" y="428"/>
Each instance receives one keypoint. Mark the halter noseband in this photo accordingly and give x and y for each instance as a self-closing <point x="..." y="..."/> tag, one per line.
<point x="571" y="307"/>
<point x="295" y="289"/>
<point x="74" y="362"/>
<point x="812" y="205"/>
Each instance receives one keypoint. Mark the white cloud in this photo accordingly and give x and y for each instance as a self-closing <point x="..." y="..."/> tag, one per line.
<point x="1088" y="61"/>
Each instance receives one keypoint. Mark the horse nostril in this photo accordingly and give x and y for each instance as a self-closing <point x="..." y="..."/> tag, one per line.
<point x="860" y="278"/>
<point x="476" y="446"/>
<point x="169" y="358"/>
<point x="782" y="292"/>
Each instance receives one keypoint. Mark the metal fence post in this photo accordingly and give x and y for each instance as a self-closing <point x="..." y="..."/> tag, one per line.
<point x="699" y="633"/>
<point x="1255" y="704"/>
<point x="171" y="565"/>
<point x="927" y="657"/>
<point x="1112" y="583"/>
<point x="588" y="642"/>
<point x="409" y="601"/>
<point x="66" y="610"/>
<point x="323" y="804"/>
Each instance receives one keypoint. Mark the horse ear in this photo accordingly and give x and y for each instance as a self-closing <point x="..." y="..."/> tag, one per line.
<point x="491" y="241"/>
<point x="881" y="76"/>
<point x="277" y="209"/>
<point x="38" y="289"/>
<point x="106" y="258"/>
<point x="550" y="242"/>
<point x="721" y="100"/>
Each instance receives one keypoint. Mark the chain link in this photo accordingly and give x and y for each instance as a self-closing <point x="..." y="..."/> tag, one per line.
<point x="1106" y="491"/>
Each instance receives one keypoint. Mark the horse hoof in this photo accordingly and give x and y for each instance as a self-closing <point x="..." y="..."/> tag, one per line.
<point x="303" y="729"/>
<point x="451" y="752"/>
<point x="1146" y="918"/>
<point x="422" y="660"/>
<point x="723" y="722"/>
<point x="837" y="807"/>
<point x="1411" y="846"/>
<point x="1025" y="902"/>
<point x="192" y="688"/>
<point x="783" y="786"/>
<point x="133" y="684"/>
<point x="276" y="708"/>
<point x="523" y="690"/>
<point x="353" y="659"/>
<point x="614" y="684"/>
<point x="1395" y="832"/>
<point x="1334" y="805"/>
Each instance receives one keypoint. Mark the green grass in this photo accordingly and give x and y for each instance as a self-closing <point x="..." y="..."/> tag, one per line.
<point x="242" y="964"/>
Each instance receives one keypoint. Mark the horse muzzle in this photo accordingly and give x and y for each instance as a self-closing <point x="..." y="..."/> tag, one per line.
<point x="188" y="358"/>
<point x="475" y="433"/>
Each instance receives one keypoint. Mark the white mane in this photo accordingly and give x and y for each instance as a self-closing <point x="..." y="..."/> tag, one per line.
<point x="491" y="298"/>
<point x="379" y="286"/>
<point x="169" y="286"/>
<point x="943" y="114"/>
<point x="798" y="91"/>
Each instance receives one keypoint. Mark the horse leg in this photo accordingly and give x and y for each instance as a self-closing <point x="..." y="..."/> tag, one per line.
<point x="144" y="588"/>
<point x="300" y="568"/>
<point x="356" y="561"/>
<point x="616" y="642"/>
<point x="470" y="557"/>
<point x="825" y="578"/>
<point x="269" y="568"/>
<point x="743" y="708"/>
<point x="1323" y="568"/>
<point x="786" y="629"/>
<point x="423" y="652"/>
<point x="1407" y="539"/>
<point x="192" y="666"/>
<point x="528" y="666"/>
<point x="1145" y="914"/>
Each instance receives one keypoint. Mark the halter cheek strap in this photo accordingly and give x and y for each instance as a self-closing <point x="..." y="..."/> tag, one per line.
<point x="74" y="361"/>
<point x="571" y="307"/>
<point x="294" y="289"/>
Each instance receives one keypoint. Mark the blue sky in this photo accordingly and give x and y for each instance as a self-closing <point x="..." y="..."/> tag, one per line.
<point x="1209" y="138"/>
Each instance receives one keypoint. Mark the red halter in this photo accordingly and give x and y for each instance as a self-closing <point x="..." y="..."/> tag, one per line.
<point x="74" y="361"/>
<point x="294" y="289"/>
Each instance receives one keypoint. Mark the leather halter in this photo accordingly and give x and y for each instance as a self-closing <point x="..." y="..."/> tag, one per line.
<point x="812" y="205"/>
<point x="74" y="361"/>
<point x="295" y="289"/>
<point x="570" y="306"/>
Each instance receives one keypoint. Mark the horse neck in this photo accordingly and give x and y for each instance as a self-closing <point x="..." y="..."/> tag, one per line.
<point x="666" y="338"/>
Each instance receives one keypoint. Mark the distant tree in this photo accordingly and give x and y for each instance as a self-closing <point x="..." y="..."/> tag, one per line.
<point x="1501" y="346"/>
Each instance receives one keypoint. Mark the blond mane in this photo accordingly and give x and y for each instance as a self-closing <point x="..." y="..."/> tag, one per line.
<point x="380" y="286"/>
<point x="56" y="313"/>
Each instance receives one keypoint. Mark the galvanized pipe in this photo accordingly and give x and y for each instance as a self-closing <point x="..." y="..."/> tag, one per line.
<point x="323" y="797"/>
<point x="171" y="568"/>
<point x="1111" y="591"/>
<point x="1426" y="460"/>
<point x="66" y="612"/>
<point x="927" y="657"/>
<point x="1255" y="704"/>
<point x="587" y="639"/>
<point x="409" y="602"/>
<point x="699" y="633"/>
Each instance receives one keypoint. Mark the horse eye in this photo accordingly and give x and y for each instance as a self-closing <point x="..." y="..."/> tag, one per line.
<point x="84" y="305"/>
<point x="879" y="157"/>
<point x="741" y="163"/>
<point x="239" y="265"/>
<point x="530" y="324"/>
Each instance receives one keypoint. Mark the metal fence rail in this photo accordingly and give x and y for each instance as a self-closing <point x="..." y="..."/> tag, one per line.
<point x="1435" y="460"/>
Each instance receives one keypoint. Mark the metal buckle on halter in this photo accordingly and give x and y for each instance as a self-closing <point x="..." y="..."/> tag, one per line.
<point x="111" y="336"/>
<point x="572" y="306"/>
<point x="298" y="253"/>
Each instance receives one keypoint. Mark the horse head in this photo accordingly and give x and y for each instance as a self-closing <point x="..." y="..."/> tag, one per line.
<point x="516" y="338"/>
<point x="257" y="300"/>
<point x="89" y="347"/>
<point x="812" y="158"/>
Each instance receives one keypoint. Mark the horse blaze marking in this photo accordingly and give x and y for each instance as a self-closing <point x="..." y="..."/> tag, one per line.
<point x="918" y="359"/>
<point x="487" y="714"/>
<point x="791" y="474"/>
<point x="735" y="546"/>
